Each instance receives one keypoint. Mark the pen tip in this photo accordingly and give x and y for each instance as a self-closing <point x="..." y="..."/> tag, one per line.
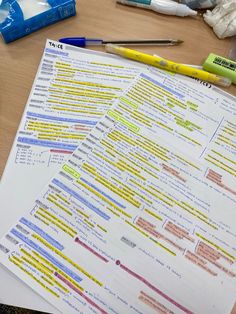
<point x="178" y="41"/>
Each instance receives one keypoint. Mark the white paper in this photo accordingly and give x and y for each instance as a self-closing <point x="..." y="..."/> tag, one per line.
<point x="29" y="166"/>
<point x="61" y="110"/>
<point x="141" y="217"/>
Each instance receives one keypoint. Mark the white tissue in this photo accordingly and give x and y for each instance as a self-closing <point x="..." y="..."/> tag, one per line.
<point x="32" y="8"/>
<point x="4" y="11"/>
<point x="223" y="18"/>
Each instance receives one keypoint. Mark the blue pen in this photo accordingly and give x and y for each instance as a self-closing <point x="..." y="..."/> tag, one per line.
<point x="83" y="42"/>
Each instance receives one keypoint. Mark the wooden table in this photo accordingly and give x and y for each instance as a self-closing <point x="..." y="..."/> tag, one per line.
<point x="102" y="19"/>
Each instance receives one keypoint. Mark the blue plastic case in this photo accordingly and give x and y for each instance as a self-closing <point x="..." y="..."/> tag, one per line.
<point x="15" y="26"/>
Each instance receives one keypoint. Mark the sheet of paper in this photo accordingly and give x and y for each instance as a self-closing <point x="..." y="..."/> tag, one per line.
<point x="140" y="219"/>
<point x="71" y="91"/>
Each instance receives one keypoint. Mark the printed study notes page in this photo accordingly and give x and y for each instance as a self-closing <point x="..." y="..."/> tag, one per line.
<point x="72" y="90"/>
<point x="140" y="218"/>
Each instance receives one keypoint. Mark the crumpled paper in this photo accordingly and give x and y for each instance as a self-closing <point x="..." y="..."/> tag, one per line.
<point x="222" y="18"/>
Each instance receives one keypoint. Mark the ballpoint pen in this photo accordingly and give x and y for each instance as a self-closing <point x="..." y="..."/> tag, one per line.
<point x="168" y="65"/>
<point x="83" y="41"/>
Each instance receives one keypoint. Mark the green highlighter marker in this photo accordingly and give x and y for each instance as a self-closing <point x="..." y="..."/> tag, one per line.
<point x="222" y="66"/>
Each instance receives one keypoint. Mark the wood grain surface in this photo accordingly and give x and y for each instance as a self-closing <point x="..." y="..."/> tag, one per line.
<point x="96" y="18"/>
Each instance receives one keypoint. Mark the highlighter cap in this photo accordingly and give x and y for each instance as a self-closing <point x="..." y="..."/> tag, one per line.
<point x="111" y="48"/>
<point x="221" y="66"/>
<point x="223" y="81"/>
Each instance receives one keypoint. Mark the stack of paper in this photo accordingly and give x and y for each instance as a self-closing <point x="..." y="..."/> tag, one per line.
<point x="140" y="217"/>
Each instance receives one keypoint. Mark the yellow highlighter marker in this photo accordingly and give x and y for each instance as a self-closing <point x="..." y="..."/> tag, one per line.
<point x="168" y="65"/>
